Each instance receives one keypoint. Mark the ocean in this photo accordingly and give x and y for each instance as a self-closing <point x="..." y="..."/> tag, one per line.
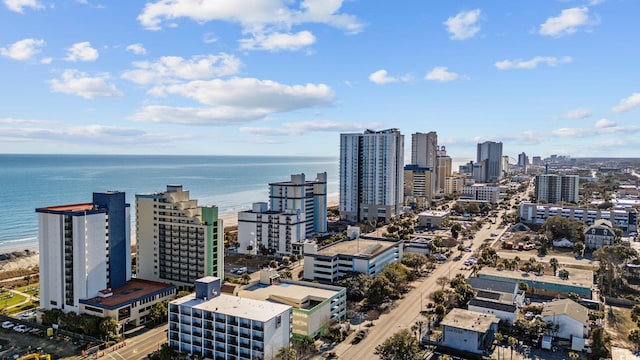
<point x="232" y="183"/>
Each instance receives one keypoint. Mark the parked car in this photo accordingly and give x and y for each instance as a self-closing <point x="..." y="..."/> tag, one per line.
<point x="21" y="328"/>
<point x="441" y="257"/>
<point x="7" y="325"/>
<point x="359" y="336"/>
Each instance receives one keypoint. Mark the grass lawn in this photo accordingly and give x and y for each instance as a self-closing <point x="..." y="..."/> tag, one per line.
<point x="31" y="289"/>
<point x="619" y="324"/>
<point x="9" y="299"/>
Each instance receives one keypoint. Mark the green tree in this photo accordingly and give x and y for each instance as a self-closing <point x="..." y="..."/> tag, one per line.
<point x="438" y="296"/>
<point x="400" y="346"/>
<point x="635" y="313"/>
<point x="553" y="262"/>
<point x="166" y="352"/>
<point x="158" y="313"/>
<point x="440" y="311"/>
<point x="246" y="278"/>
<point x="512" y="342"/>
<point x="634" y="336"/>
<point x="578" y="248"/>
<point x="414" y="260"/>
<point x="599" y="344"/>
<point x="27" y="278"/>
<point x="472" y="207"/>
<point x="273" y="264"/>
<point x="287" y="353"/>
<point x="108" y="327"/>
<point x="380" y="290"/>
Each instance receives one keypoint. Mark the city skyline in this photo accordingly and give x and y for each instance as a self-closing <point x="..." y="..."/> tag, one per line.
<point x="283" y="77"/>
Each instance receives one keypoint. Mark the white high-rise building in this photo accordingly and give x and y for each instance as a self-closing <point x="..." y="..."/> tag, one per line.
<point x="371" y="175"/>
<point x="177" y="240"/>
<point x="273" y="231"/>
<point x="307" y="197"/>
<point x="85" y="249"/>
<point x="490" y="156"/>
<point x="443" y="170"/>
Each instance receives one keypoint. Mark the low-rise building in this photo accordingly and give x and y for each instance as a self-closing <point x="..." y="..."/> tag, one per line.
<point x="453" y="185"/>
<point x="599" y="234"/>
<point x="362" y="254"/>
<point x="570" y="320"/>
<point x="482" y="192"/>
<point x="498" y="305"/>
<point x="220" y="326"/>
<point x="432" y="218"/>
<point x="469" y="331"/>
<point x="579" y="282"/>
<point x="129" y="304"/>
<point x="315" y="306"/>
<point x="625" y="219"/>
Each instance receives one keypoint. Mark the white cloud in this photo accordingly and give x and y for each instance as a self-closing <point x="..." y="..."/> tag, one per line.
<point x="566" y="23"/>
<point x="172" y="68"/>
<point x="604" y="123"/>
<point x="14" y="121"/>
<point x="464" y="25"/>
<point x="251" y="14"/>
<point x="300" y="128"/>
<point x="94" y="134"/>
<point x="137" y="49"/>
<point x="532" y="63"/>
<point x="74" y="82"/>
<point x="19" y="5"/>
<point x="381" y="77"/>
<point x="250" y="93"/>
<point x="441" y="74"/>
<point x="46" y="60"/>
<point x="278" y="41"/>
<point x="24" y="49"/>
<point x="575" y="114"/>
<point x="81" y="51"/>
<point x="215" y="116"/>
<point x="627" y="104"/>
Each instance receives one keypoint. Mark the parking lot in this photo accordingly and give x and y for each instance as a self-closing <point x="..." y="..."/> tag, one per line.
<point x="30" y="341"/>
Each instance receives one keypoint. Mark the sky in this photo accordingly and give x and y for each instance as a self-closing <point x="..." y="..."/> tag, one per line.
<point x="286" y="77"/>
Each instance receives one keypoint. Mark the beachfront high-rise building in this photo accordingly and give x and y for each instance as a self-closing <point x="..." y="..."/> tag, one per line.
<point x="213" y="325"/>
<point x="490" y="156"/>
<point x="424" y="155"/>
<point x="297" y="209"/>
<point x="85" y="248"/>
<point x="177" y="240"/>
<point x="554" y="188"/>
<point x="371" y="175"/>
<point x="443" y="170"/>
<point x="307" y="197"/>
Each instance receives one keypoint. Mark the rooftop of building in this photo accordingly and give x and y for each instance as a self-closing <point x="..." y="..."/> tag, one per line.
<point x="68" y="208"/>
<point x="566" y="307"/>
<point x="258" y="310"/>
<point x="479" y="283"/>
<point x="298" y="294"/>
<point x="134" y="290"/>
<point x="577" y="277"/>
<point x="361" y="246"/>
<point x="469" y="320"/>
<point x="492" y="304"/>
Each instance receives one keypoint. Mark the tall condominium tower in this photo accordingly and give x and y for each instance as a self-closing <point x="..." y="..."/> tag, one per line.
<point x="553" y="188"/>
<point x="443" y="170"/>
<point x="309" y="197"/>
<point x="490" y="156"/>
<point x="177" y="240"/>
<point x="371" y="175"/>
<point x="424" y="156"/>
<point x="85" y="249"/>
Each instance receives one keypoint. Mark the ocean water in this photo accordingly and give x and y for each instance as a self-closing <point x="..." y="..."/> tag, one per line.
<point x="230" y="182"/>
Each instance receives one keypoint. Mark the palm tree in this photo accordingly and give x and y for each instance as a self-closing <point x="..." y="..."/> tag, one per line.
<point x="245" y="278"/>
<point x="512" y="342"/>
<point x="553" y="262"/>
<point x="420" y="324"/>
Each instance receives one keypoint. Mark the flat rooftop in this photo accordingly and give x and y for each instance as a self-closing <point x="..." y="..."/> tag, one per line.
<point x="67" y="208"/>
<point x="577" y="277"/>
<point x="134" y="290"/>
<point x="469" y="320"/>
<point x="362" y="246"/>
<point x="235" y="306"/>
<point x="438" y="213"/>
<point x="286" y="292"/>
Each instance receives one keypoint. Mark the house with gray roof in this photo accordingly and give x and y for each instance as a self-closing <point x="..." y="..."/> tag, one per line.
<point x="570" y="318"/>
<point x="599" y="234"/>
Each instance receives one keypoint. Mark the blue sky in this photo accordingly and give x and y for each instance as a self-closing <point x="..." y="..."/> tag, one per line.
<point x="283" y="77"/>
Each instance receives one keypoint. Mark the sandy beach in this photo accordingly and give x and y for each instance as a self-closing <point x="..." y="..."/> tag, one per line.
<point x="32" y="260"/>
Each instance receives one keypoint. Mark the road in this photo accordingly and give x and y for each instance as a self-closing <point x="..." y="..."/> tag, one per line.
<point x="136" y="348"/>
<point x="407" y="310"/>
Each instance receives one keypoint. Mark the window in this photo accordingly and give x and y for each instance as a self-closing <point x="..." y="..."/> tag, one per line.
<point x="278" y="321"/>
